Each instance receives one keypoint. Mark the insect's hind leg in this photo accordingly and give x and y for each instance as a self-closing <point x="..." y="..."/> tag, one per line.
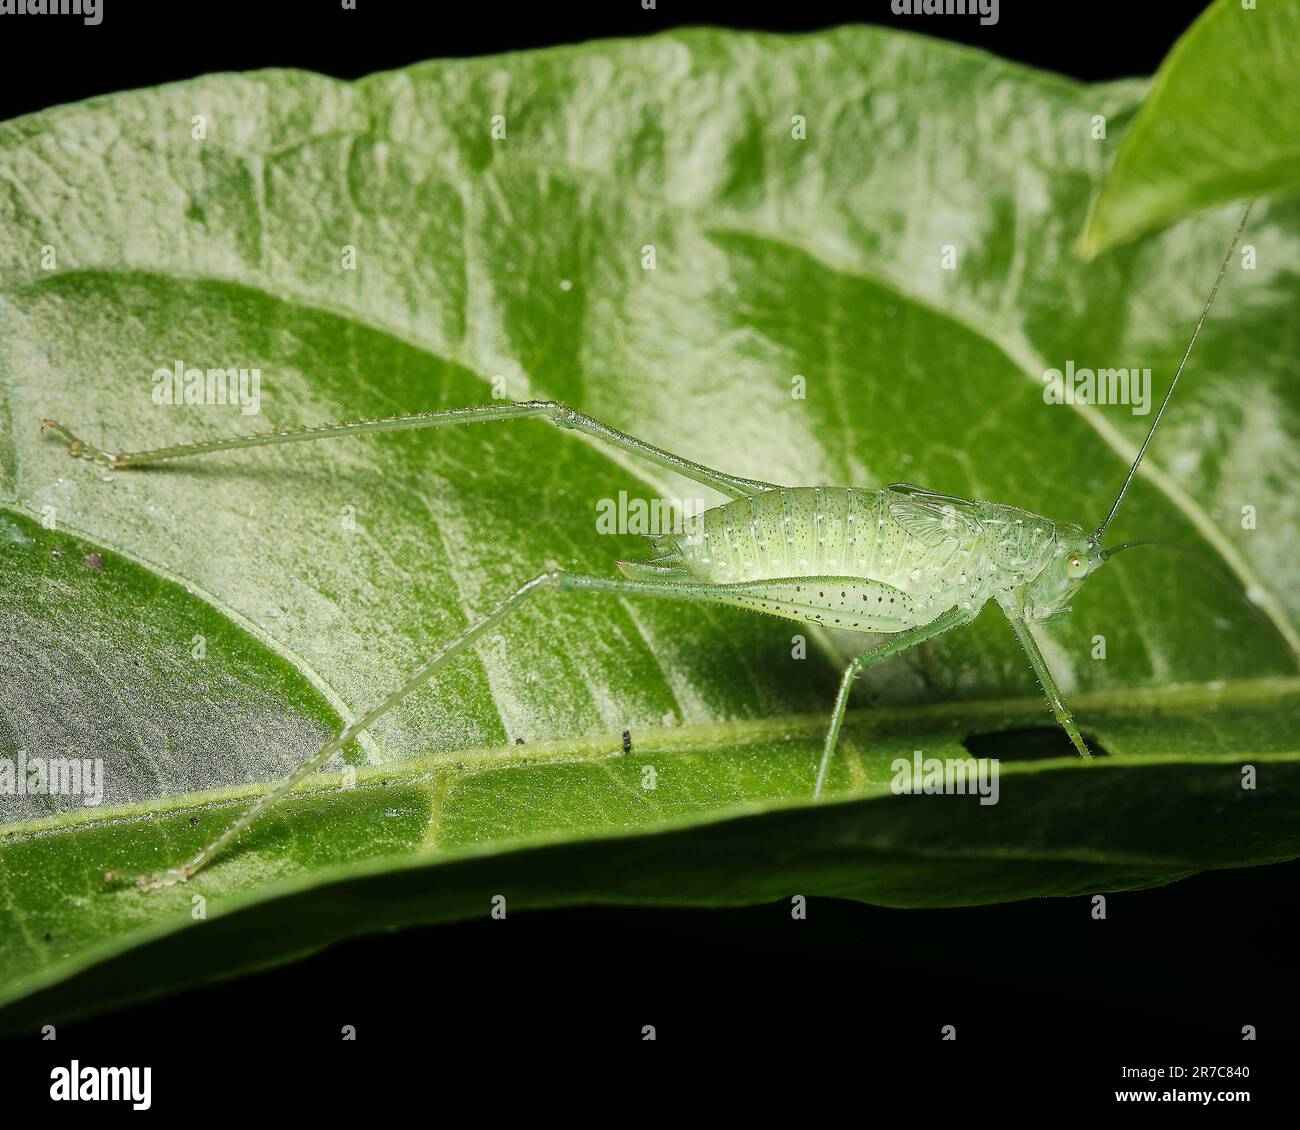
<point x="179" y="874"/>
<point x="892" y="646"/>
<point x="554" y="579"/>
<point x="555" y="412"/>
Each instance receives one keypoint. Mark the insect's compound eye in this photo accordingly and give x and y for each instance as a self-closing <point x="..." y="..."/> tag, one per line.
<point x="1076" y="567"/>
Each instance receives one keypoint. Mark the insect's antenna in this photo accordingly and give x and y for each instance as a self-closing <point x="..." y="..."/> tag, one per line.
<point x="1214" y="290"/>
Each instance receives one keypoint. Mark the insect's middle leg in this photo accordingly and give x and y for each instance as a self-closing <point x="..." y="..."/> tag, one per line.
<point x="892" y="646"/>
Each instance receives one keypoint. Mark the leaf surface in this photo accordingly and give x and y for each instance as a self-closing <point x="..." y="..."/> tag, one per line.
<point x="319" y="575"/>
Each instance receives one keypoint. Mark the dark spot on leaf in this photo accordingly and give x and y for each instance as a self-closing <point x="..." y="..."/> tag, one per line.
<point x="1029" y="743"/>
<point x="94" y="562"/>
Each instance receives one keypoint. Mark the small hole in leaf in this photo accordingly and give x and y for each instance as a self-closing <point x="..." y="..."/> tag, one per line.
<point x="1030" y="743"/>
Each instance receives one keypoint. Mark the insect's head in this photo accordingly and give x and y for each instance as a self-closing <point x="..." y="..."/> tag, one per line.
<point x="1076" y="555"/>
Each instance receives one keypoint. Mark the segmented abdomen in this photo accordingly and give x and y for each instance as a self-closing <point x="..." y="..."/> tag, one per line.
<point x="799" y="532"/>
<point x="825" y="531"/>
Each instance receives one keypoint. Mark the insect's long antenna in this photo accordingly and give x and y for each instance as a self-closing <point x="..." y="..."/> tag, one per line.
<point x="1214" y="290"/>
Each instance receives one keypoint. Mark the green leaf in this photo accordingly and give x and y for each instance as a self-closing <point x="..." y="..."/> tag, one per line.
<point x="319" y="575"/>
<point x="1222" y="123"/>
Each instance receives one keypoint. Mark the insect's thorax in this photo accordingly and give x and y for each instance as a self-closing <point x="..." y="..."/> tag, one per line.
<point x="836" y="532"/>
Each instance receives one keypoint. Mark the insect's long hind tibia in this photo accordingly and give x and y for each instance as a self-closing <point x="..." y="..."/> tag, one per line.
<point x="560" y="415"/>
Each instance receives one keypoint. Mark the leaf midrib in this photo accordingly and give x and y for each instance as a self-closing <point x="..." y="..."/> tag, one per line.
<point x="459" y="765"/>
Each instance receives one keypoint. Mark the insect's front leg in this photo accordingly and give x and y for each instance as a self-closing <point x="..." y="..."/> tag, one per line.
<point x="1062" y="712"/>
<point x="910" y="637"/>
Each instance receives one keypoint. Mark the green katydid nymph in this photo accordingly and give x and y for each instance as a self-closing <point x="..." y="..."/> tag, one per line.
<point x="903" y="561"/>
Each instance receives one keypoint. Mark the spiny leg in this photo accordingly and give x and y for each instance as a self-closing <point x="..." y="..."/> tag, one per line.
<point x="892" y="646"/>
<point x="1045" y="679"/>
<point x="554" y="579"/>
<point x="553" y="411"/>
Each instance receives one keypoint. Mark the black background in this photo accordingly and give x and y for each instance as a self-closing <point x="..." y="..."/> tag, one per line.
<point x="1046" y="1001"/>
<point x="147" y="42"/>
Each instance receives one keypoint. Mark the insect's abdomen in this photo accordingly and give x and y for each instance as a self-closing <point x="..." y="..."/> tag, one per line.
<point x="830" y="532"/>
<point x="796" y="532"/>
